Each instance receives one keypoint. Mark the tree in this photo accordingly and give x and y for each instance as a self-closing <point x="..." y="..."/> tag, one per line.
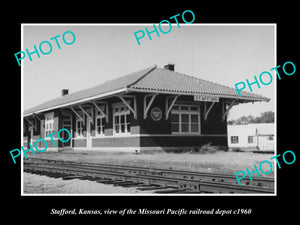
<point x="265" y="117"/>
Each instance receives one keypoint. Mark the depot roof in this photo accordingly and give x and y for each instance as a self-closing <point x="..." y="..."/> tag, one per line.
<point x="151" y="80"/>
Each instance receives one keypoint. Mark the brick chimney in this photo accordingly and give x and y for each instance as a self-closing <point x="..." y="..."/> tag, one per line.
<point x="64" y="92"/>
<point x="170" y="67"/>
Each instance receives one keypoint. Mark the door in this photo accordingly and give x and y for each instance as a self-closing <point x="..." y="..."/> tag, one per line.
<point x="88" y="133"/>
<point x="64" y="135"/>
<point x="31" y="137"/>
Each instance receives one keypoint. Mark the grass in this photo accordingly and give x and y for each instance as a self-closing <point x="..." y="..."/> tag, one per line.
<point x="205" y="159"/>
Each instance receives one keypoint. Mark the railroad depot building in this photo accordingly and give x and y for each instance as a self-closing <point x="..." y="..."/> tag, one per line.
<point x="152" y="109"/>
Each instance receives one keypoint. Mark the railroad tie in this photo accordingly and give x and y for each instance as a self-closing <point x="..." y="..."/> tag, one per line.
<point x="132" y="184"/>
<point x="109" y="181"/>
<point x="149" y="188"/>
<point x="102" y="181"/>
<point x="170" y="191"/>
<point x="123" y="183"/>
<point x="71" y="177"/>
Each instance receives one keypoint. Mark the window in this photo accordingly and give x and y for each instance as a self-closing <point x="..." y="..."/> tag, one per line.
<point x="100" y="121"/>
<point x="121" y="119"/>
<point x="250" y="139"/>
<point x="271" y="137"/>
<point x="79" y="127"/>
<point x="49" y="124"/>
<point x="185" y="119"/>
<point x="234" y="139"/>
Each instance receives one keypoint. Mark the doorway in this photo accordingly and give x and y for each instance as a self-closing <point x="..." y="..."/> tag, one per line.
<point x="88" y="133"/>
<point x="67" y="124"/>
<point x="30" y="139"/>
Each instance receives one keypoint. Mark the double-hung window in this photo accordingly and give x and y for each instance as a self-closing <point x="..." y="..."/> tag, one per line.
<point x="234" y="139"/>
<point x="121" y="119"/>
<point x="79" y="127"/>
<point x="271" y="137"/>
<point x="49" y="123"/>
<point x="250" y="139"/>
<point x="185" y="119"/>
<point x="100" y="122"/>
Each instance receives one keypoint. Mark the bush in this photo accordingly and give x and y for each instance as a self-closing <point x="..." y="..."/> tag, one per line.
<point x="204" y="149"/>
<point x="207" y="148"/>
<point x="236" y="149"/>
<point x="223" y="148"/>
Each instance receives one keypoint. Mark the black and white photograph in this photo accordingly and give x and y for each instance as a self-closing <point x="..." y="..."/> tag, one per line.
<point x="149" y="111"/>
<point x="161" y="116"/>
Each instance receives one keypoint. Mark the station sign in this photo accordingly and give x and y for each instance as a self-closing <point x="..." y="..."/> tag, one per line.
<point x="204" y="98"/>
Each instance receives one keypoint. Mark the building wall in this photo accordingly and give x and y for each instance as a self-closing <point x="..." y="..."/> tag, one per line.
<point x="25" y="141"/>
<point x="144" y="133"/>
<point x="242" y="132"/>
<point x="260" y="141"/>
<point x="265" y="142"/>
<point x="173" y="143"/>
<point x="150" y="126"/>
<point x="116" y="142"/>
<point x="108" y="139"/>
<point x="81" y="142"/>
<point x="214" y="123"/>
<point x="159" y="133"/>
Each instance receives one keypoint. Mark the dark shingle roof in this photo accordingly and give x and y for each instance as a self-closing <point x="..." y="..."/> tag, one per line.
<point x="152" y="79"/>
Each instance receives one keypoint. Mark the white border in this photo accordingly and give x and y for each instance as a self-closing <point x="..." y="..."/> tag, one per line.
<point x="124" y="89"/>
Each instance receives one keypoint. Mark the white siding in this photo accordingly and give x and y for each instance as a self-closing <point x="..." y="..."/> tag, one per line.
<point x="259" y="132"/>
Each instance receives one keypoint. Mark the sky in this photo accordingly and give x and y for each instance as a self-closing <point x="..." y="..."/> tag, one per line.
<point x="225" y="54"/>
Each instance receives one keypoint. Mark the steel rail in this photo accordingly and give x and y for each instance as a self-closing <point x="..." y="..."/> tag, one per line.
<point x="87" y="173"/>
<point x="199" y="176"/>
<point x="115" y="174"/>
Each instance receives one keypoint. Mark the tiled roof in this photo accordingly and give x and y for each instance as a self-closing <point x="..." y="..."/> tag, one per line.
<point x="152" y="79"/>
<point x="161" y="79"/>
<point x="109" y="86"/>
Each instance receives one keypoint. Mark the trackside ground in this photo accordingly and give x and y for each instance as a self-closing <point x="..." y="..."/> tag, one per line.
<point x="218" y="162"/>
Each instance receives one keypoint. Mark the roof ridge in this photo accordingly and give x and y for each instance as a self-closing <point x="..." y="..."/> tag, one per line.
<point x="90" y="91"/>
<point x="140" y="84"/>
<point x="140" y="78"/>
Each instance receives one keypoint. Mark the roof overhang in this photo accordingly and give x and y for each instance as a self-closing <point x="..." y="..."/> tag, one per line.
<point x="239" y="99"/>
<point x="80" y="101"/>
<point x="242" y="98"/>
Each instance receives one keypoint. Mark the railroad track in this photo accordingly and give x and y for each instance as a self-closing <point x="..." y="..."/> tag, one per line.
<point x="159" y="180"/>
